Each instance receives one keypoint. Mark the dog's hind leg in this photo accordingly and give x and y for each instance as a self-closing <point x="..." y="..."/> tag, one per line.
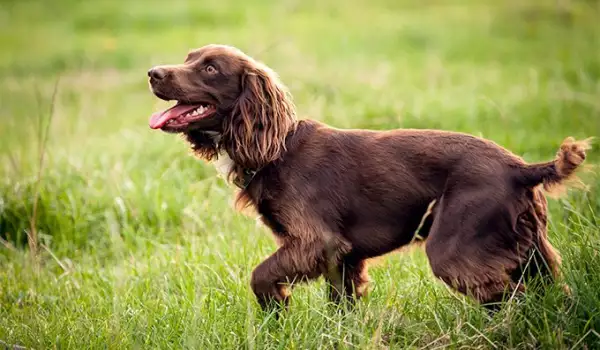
<point x="543" y="261"/>
<point x="473" y="245"/>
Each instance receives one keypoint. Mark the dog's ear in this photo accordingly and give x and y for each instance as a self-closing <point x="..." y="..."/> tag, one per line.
<point x="254" y="134"/>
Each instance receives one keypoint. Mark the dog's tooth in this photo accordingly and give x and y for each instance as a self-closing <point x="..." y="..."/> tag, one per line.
<point x="195" y="112"/>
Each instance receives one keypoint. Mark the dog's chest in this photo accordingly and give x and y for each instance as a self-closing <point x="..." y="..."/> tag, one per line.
<point x="223" y="164"/>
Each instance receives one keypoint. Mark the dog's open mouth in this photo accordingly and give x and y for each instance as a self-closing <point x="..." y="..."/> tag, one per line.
<point x="181" y="115"/>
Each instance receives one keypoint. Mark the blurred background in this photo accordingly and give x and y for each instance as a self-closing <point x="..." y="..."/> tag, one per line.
<point x="108" y="227"/>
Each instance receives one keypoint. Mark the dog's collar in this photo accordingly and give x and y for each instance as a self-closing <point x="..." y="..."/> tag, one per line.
<point x="227" y="168"/>
<point x="247" y="176"/>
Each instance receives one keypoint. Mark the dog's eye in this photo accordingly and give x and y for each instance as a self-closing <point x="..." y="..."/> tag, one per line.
<point x="210" y="69"/>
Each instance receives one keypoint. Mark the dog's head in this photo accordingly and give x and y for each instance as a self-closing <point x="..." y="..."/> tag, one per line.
<point x="224" y="99"/>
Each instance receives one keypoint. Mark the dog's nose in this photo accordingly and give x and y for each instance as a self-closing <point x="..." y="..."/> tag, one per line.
<point x="157" y="73"/>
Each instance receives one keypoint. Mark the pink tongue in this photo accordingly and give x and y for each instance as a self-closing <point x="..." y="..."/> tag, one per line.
<point x="159" y="119"/>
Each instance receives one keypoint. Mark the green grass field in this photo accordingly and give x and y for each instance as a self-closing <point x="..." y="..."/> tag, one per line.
<point x="133" y="243"/>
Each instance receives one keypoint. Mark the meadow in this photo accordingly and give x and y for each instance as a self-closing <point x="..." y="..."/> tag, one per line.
<point x="113" y="236"/>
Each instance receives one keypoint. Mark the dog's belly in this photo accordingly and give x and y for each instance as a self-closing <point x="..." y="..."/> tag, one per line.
<point x="373" y="238"/>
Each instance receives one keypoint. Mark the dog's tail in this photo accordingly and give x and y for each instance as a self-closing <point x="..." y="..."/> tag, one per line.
<point x="555" y="174"/>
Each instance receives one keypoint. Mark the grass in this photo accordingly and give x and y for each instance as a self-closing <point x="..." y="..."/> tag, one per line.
<point x="134" y="244"/>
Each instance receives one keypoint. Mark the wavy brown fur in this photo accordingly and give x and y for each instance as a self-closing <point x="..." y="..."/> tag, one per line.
<point x="263" y="115"/>
<point x="203" y="144"/>
<point x="335" y="199"/>
<point x="568" y="159"/>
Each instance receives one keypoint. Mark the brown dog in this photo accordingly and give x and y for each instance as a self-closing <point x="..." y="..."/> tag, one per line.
<point x="335" y="198"/>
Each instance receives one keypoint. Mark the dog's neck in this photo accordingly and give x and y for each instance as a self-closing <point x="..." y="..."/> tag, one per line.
<point x="209" y="146"/>
<point x="223" y="164"/>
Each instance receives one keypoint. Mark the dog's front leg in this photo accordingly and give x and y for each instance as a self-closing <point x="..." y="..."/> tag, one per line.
<point x="295" y="261"/>
<point x="348" y="280"/>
